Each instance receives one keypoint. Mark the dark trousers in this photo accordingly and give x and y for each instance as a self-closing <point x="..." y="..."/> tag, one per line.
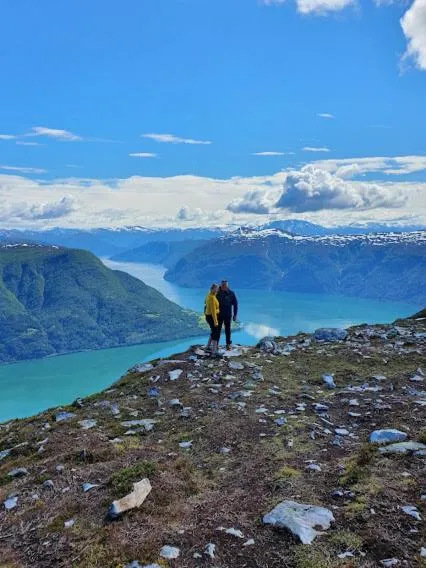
<point x="214" y="329"/>
<point x="227" y="321"/>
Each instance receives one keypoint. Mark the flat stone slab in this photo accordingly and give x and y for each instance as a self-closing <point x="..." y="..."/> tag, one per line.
<point x="140" y="492"/>
<point x="403" y="448"/>
<point x="300" y="519"/>
<point x="387" y="436"/>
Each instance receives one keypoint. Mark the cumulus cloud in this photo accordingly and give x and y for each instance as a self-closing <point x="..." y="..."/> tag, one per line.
<point x="172" y="139"/>
<point x="413" y="25"/>
<point x="315" y="149"/>
<point x="23" y="170"/>
<point x="38" y="211"/>
<point x="273" y="153"/>
<point x="256" y="201"/>
<point x="7" y="136"/>
<point x="142" y="155"/>
<point x="313" y="189"/>
<point x="63" y="135"/>
<point x="325" y="115"/>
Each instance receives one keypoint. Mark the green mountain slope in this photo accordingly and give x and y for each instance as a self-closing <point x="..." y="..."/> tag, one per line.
<point x="55" y="300"/>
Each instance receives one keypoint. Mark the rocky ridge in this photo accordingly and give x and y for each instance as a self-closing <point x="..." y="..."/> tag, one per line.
<point x="306" y="452"/>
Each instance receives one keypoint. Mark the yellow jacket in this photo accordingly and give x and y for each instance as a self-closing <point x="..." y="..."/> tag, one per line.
<point x="212" y="307"/>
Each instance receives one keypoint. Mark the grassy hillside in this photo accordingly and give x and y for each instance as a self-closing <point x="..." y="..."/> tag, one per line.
<point x="55" y="300"/>
<point x="259" y="428"/>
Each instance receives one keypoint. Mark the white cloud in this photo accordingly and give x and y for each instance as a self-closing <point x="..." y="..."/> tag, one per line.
<point x="315" y="149"/>
<point x="7" y="136"/>
<point x="23" y="170"/>
<point x="313" y="189"/>
<point x="255" y="201"/>
<point x="321" y="6"/>
<point x="273" y="153"/>
<point x="22" y="143"/>
<point x="143" y="155"/>
<point x="389" y="165"/>
<point x="272" y="2"/>
<point x="413" y="24"/>
<point x="172" y="139"/>
<point x="39" y="211"/>
<point x="325" y="115"/>
<point x="58" y="134"/>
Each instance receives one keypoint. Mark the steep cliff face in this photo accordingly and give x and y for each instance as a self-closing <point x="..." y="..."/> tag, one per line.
<point x="390" y="266"/>
<point x="330" y="426"/>
<point x="55" y="300"/>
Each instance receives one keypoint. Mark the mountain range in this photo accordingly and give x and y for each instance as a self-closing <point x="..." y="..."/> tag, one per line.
<point x="55" y="300"/>
<point x="384" y="266"/>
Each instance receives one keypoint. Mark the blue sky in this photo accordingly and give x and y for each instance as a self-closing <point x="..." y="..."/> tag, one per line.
<point x="245" y="76"/>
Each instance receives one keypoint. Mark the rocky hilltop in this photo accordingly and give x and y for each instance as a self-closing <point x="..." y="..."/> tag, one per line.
<point x="386" y="266"/>
<point x="305" y="452"/>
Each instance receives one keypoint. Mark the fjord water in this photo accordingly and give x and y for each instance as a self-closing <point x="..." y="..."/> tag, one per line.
<point x="31" y="386"/>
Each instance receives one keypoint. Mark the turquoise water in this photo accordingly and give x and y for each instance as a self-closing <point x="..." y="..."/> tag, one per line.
<point x="31" y="386"/>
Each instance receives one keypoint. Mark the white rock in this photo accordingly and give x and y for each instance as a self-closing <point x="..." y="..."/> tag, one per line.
<point x="300" y="519"/>
<point x="209" y="550"/>
<point x="423" y="552"/>
<point x="174" y="375"/>
<point x="236" y="365"/>
<point x="87" y="424"/>
<point x="88" y="486"/>
<point x="313" y="467"/>
<point x="10" y="503"/>
<point x="234" y="532"/>
<point x="169" y="552"/>
<point x="389" y="562"/>
<point x="69" y="524"/>
<point x="354" y="402"/>
<point x="146" y="423"/>
<point x="403" y="448"/>
<point x="387" y="436"/>
<point x="140" y="492"/>
<point x="412" y="511"/>
<point x="342" y="432"/>
<point x="185" y="445"/>
<point x="249" y="542"/>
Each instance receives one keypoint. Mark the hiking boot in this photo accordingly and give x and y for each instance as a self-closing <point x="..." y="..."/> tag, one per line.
<point x="228" y="347"/>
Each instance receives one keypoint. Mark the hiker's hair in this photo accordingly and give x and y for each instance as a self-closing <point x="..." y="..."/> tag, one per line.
<point x="213" y="287"/>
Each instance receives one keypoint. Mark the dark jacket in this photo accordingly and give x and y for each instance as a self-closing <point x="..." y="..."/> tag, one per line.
<point x="227" y="303"/>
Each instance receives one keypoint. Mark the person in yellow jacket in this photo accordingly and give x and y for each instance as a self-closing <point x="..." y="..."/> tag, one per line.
<point x="211" y="311"/>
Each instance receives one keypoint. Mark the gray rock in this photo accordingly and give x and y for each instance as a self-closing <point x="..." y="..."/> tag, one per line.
<point x="389" y="562"/>
<point x="169" y="552"/>
<point x="300" y="519"/>
<point x="313" y="467"/>
<point x="146" y="423"/>
<point x="267" y="345"/>
<point x="11" y="502"/>
<point x="88" y="486"/>
<point x="140" y="492"/>
<point x="87" y="424"/>
<point x="185" y="445"/>
<point x="209" y="550"/>
<point x="62" y="416"/>
<point x="342" y="432"/>
<point x="142" y="367"/>
<point x="236" y="365"/>
<point x="412" y="511"/>
<point x="318" y="407"/>
<point x="175" y="374"/>
<point x="48" y="484"/>
<point x="403" y="448"/>
<point x="329" y="381"/>
<point x="330" y="334"/>
<point x="69" y="524"/>
<point x="4" y="454"/>
<point x="18" y="472"/>
<point x="387" y="436"/>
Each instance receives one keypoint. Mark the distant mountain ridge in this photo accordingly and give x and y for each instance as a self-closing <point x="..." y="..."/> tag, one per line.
<point x="383" y="266"/>
<point x="159" y="252"/>
<point x="55" y="300"/>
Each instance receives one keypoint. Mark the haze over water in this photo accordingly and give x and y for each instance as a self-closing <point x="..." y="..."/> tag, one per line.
<point x="31" y="386"/>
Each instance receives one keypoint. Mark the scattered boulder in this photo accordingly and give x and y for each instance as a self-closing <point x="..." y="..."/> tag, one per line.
<point x="403" y="448"/>
<point x="387" y="436"/>
<point x="11" y="502"/>
<point x="18" y="472"/>
<point x="236" y="365"/>
<point x="62" y="416"/>
<point x="87" y="424"/>
<point x="300" y="519"/>
<point x="267" y="345"/>
<point x="330" y="334"/>
<point x="146" y="423"/>
<point x="329" y="381"/>
<point x="140" y="492"/>
<point x="209" y="550"/>
<point x="174" y="375"/>
<point x="169" y="552"/>
<point x="412" y="511"/>
<point x="88" y="486"/>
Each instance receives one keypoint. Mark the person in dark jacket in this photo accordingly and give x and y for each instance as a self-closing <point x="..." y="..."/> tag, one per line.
<point x="228" y="309"/>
